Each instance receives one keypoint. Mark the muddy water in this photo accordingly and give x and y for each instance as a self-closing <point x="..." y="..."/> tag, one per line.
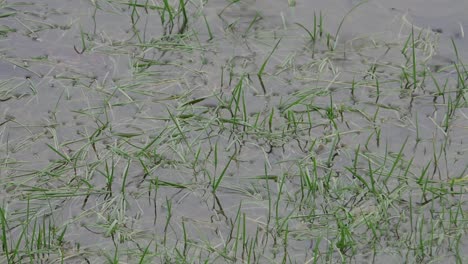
<point x="103" y="103"/>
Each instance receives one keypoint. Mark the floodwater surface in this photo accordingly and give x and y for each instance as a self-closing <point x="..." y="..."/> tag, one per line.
<point x="218" y="131"/>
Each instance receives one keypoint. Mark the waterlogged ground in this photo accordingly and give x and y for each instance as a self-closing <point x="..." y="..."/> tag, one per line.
<point x="233" y="131"/>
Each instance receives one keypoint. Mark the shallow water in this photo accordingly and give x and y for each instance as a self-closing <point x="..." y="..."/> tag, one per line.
<point x="109" y="143"/>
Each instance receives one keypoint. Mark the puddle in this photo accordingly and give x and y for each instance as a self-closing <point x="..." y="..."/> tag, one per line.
<point x="244" y="135"/>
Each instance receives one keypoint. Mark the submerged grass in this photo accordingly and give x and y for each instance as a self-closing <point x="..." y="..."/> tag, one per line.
<point x="179" y="159"/>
